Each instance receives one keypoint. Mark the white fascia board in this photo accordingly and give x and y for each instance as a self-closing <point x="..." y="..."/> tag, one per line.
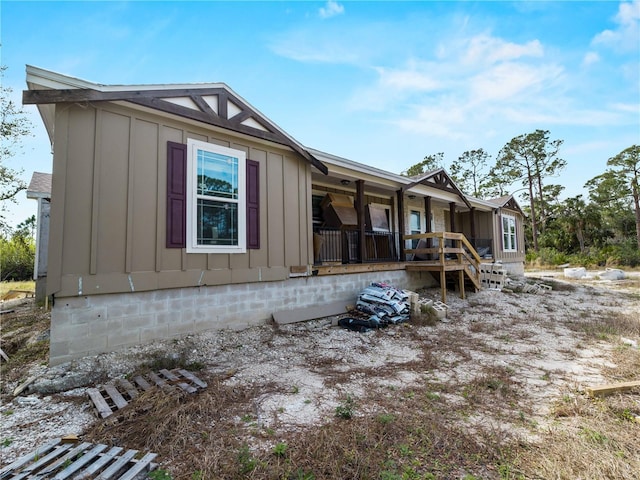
<point x="37" y="195"/>
<point x="369" y="179"/>
<point x="58" y="81"/>
<point x="481" y="204"/>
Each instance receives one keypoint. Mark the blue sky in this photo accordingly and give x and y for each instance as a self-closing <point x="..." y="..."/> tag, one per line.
<point x="381" y="83"/>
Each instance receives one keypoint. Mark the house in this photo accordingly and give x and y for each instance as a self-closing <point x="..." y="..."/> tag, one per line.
<point x="182" y="208"/>
<point x="40" y="190"/>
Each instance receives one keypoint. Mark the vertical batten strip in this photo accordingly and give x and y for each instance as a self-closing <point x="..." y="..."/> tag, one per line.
<point x="128" y="252"/>
<point x="183" y="257"/>
<point x="93" y="268"/>
<point x="161" y="185"/>
<point x="310" y="255"/>
<point x="302" y="221"/>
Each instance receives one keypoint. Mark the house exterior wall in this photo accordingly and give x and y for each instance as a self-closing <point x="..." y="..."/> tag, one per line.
<point x="513" y="262"/>
<point x="441" y="219"/>
<point x="483" y="222"/>
<point x="440" y="215"/>
<point x="90" y="324"/>
<point x="108" y="216"/>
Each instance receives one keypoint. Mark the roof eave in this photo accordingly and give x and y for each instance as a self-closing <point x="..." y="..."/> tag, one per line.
<point x="46" y="88"/>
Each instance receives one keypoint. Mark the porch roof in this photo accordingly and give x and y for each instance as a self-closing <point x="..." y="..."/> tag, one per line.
<point x="436" y="184"/>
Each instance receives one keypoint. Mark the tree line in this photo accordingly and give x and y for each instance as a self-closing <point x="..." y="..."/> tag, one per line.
<point x="603" y="229"/>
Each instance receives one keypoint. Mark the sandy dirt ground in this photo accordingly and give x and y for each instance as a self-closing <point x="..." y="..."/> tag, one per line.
<point x="306" y="369"/>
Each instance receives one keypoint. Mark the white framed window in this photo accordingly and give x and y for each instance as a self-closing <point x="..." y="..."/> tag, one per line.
<point x="509" y="243"/>
<point x="216" y="198"/>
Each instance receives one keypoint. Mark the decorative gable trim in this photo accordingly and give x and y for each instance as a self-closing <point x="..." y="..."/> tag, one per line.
<point x="440" y="180"/>
<point x="512" y="204"/>
<point x="509" y="202"/>
<point x="214" y="106"/>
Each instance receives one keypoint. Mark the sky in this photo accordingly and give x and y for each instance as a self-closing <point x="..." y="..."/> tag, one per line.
<point x="381" y="83"/>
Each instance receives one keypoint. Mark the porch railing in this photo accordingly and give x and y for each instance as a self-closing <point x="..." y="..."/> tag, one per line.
<point x="448" y="251"/>
<point x="332" y="246"/>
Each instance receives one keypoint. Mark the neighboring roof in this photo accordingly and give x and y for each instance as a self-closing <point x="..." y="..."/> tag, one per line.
<point x="211" y="103"/>
<point x="506" y="201"/>
<point x="40" y="185"/>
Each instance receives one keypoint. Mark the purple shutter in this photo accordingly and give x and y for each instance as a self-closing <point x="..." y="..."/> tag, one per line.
<point x="253" y="204"/>
<point x="176" y="195"/>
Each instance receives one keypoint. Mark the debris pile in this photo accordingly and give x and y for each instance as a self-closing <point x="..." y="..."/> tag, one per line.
<point x="512" y="286"/>
<point x="379" y="305"/>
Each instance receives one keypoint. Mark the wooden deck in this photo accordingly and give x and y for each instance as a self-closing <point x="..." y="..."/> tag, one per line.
<point x="445" y="260"/>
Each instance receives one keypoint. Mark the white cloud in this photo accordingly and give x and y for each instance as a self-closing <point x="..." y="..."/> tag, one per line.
<point x="484" y="49"/>
<point x="510" y="80"/>
<point x="626" y="36"/>
<point x="331" y="9"/>
<point x="415" y="77"/>
<point x="302" y="47"/>
<point x="626" y="107"/>
<point x="470" y="82"/>
<point x="590" y="58"/>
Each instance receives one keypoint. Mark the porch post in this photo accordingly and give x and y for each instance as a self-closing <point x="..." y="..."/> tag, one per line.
<point x="452" y="217"/>
<point x="427" y="213"/>
<point x="400" y="195"/>
<point x="362" y="244"/>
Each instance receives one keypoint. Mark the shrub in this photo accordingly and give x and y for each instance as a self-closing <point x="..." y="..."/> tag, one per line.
<point x="16" y="258"/>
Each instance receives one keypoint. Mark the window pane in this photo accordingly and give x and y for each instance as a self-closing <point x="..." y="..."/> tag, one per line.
<point x="217" y="175"/>
<point x="415" y="222"/>
<point x="414" y="226"/>
<point x="217" y="223"/>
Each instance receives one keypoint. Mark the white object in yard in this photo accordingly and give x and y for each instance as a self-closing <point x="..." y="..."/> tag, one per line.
<point x="440" y="308"/>
<point x="413" y="301"/>
<point x="492" y="275"/>
<point x="612" y="274"/>
<point x="578" y="272"/>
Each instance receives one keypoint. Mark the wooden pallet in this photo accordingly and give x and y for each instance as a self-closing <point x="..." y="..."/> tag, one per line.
<point x="116" y="395"/>
<point x="60" y="460"/>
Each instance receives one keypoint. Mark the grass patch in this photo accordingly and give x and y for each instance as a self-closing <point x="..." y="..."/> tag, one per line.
<point x="170" y="360"/>
<point x="592" y="439"/>
<point x="24" y="339"/>
<point x="6" y="286"/>
<point x="205" y="433"/>
<point x="604" y="324"/>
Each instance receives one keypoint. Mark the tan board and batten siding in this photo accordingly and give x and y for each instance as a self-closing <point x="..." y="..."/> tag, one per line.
<point x="509" y="257"/>
<point x="108" y="234"/>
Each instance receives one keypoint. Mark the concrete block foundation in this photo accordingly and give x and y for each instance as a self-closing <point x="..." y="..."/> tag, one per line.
<point x="88" y="325"/>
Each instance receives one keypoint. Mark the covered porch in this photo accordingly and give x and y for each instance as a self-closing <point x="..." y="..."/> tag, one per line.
<point x="367" y="220"/>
